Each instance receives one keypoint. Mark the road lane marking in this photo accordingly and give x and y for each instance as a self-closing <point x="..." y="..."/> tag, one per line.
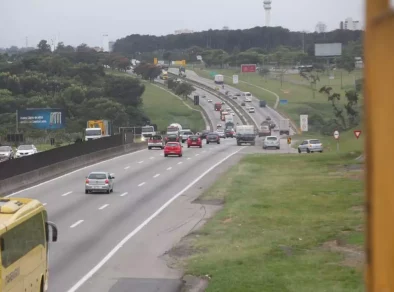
<point x="156" y="175"/>
<point x="141" y="184"/>
<point x="44" y="204"/>
<point x="76" y="223"/>
<point x="66" y="194"/>
<point x="103" y="206"/>
<point x="89" y="274"/>
<point x="124" y="194"/>
<point x="127" y="167"/>
<point x="180" y="162"/>
<point x="204" y="151"/>
<point x="140" y="161"/>
<point x="151" y="157"/>
<point x="169" y="168"/>
<point x="188" y="158"/>
<point x="75" y="171"/>
<point x="197" y="154"/>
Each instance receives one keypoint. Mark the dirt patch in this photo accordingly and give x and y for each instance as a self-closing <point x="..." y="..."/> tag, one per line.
<point x="227" y="220"/>
<point x="214" y="202"/>
<point x="194" y="284"/>
<point x="354" y="256"/>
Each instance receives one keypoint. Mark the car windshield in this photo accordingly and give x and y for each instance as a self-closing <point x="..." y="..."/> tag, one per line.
<point x="212" y="135"/>
<point x="172" y="136"/>
<point x="93" y="132"/>
<point x="193" y="137"/>
<point x="25" y="147"/>
<point x="172" y="144"/>
<point x="156" y="138"/>
<point x="272" y="138"/>
<point x="314" y="141"/>
<point x="187" y="133"/>
<point x="147" y="129"/>
<point x="248" y="94"/>
<point x="97" y="176"/>
<point x="5" y="148"/>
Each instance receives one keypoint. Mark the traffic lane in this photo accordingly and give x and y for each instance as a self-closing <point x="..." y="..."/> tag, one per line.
<point x="69" y="201"/>
<point x="80" y="248"/>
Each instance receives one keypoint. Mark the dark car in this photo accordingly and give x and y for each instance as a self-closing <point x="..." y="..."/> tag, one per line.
<point x="204" y="134"/>
<point x="243" y="104"/>
<point x="172" y="138"/>
<point x="229" y="133"/>
<point x="213" y="138"/>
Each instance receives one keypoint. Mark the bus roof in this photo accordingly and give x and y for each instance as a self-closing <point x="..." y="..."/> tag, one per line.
<point x="14" y="209"/>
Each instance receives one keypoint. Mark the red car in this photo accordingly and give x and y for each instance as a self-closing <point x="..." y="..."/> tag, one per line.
<point x="194" y="140"/>
<point x="173" y="148"/>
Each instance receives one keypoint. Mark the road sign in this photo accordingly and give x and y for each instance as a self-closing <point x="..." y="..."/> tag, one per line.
<point x="336" y="135"/>
<point x="357" y="133"/>
<point x="283" y="101"/>
<point x="155" y="61"/>
<point x="247" y="68"/>
<point x="304" y="123"/>
<point x="212" y="73"/>
<point x="289" y="140"/>
<point x="235" y="79"/>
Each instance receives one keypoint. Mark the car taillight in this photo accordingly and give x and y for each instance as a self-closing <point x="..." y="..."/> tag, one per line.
<point x="107" y="181"/>
<point x="87" y="181"/>
<point x="199" y="139"/>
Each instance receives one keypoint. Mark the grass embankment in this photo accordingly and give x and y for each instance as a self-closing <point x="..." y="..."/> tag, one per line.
<point x="164" y="108"/>
<point x="299" y="95"/>
<point x="290" y="223"/>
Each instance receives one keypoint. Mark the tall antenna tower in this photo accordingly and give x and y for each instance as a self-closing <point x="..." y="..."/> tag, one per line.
<point x="267" y="8"/>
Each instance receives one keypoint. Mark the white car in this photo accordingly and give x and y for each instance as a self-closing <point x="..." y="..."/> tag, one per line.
<point x="233" y="113"/>
<point x="209" y="100"/>
<point x="221" y="133"/>
<point x="25" y="150"/>
<point x="228" y="109"/>
<point x="251" y="110"/>
<point x="247" y="99"/>
<point x="218" y="125"/>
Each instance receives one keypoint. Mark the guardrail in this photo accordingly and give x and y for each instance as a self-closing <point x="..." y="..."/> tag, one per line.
<point x="233" y="105"/>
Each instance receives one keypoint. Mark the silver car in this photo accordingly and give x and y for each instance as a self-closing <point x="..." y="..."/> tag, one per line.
<point x="310" y="146"/>
<point x="271" y="142"/>
<point x="99" y="182"/>
<point x="221" y="133"/>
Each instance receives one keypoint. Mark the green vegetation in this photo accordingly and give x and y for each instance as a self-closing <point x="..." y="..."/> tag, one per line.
<point x="289" y="223"/>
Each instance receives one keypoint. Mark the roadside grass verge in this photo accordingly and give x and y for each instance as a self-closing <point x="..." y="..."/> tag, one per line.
<point x="299" y="95"/>
<point x="164" y="108"/>
<point x="289" y="223"/>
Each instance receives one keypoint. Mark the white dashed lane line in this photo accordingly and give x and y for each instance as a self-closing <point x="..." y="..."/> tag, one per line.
<point x="103" y="206"/>
<point x="151" y="157"/>
<point x="140" y="161"/>
<point x="66" y="194"/>
<point x="76" y="223"/>
<point x="124" y="194"/>
<point x="197" y="154"/>
<point x="169" y="168"/>
<point x="188" y="158"/>
<point x="141" y="184"/>
<point x="44" y="204"/>
<point x="156" y="175"/>
<point x="180" y="162"/>
<point x="127" y="167"/>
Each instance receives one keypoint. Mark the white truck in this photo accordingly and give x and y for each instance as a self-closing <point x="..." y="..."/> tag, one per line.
<point x="148" y="131"/>
<point x="246" y="134"/>
<point x="219" y="79"/>
<point x="174" y="129"/>
<point x="229" y="118"/>
<point x="284" y="127"/>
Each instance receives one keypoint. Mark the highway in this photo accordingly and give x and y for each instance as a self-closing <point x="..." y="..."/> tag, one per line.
<point x="261" y="113"/>
<point x="109" y="241"/>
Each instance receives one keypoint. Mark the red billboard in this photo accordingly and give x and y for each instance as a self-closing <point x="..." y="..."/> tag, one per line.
<point x="245" y="68"/>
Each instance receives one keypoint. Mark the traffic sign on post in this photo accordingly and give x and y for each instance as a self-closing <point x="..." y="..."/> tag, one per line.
<point x="336" y="135"/>
<point x="304" y="123"/>
<point x="357" y="133"/>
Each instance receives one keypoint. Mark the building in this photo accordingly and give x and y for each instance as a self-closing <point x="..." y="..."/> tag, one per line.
<point x="111" y="46"/>
<point x="105" y="43"/>
<point x="350" y="24"/>
<point x="321" y="27"/>
<point x="182" y="31"/>
<point x="267" y="9"/>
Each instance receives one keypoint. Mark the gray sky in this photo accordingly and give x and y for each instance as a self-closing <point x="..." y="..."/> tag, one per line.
<point x="85" y="21"/>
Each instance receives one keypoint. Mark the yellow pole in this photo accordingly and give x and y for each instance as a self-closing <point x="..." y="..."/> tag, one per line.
<point x="379" y="105"/>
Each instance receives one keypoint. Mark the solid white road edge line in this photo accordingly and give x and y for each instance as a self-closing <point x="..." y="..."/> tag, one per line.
<point x="76" y="223"/>
<point x="143" y="224"/>
<point x="72" y="172"/>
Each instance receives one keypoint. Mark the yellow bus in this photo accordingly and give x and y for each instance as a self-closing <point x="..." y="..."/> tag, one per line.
<point x="24" y="236"/>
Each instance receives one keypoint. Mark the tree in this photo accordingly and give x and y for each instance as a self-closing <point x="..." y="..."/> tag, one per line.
<point x="184" y="89"/>
<point x="43" y="47"/>
<point x="147" y="71"/>
<point x="345" y="116"/>
<point x="312" y="78"/>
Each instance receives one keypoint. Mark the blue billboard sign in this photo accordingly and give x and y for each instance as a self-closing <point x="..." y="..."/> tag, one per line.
<point x="283" y="101"/>
<point x="43" y="118"/>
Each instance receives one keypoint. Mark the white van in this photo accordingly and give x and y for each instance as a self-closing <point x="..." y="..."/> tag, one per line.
<point x="247" y="96"/>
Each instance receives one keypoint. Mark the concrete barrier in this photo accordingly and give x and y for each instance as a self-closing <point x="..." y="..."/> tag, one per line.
<point x="31" y="178"/>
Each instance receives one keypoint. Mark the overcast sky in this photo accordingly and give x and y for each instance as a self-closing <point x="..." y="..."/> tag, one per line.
<point x="85" y="21"/>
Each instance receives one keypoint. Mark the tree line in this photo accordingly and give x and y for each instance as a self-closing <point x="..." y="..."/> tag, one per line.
<point x="73" y="79"/>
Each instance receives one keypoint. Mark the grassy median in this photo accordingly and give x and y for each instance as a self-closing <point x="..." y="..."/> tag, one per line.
<point x="289" y="223"/>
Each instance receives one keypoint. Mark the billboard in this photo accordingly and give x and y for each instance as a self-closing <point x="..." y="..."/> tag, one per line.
<point x="328" y="50"/>
<point x="245" y="68"/>
<point x="43" y="118"/>
<point x="181" y="62"/>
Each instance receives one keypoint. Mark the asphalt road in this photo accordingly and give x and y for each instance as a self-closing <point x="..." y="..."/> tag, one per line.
<point x="92" y="225"/>
<point x="260" y="113"/>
